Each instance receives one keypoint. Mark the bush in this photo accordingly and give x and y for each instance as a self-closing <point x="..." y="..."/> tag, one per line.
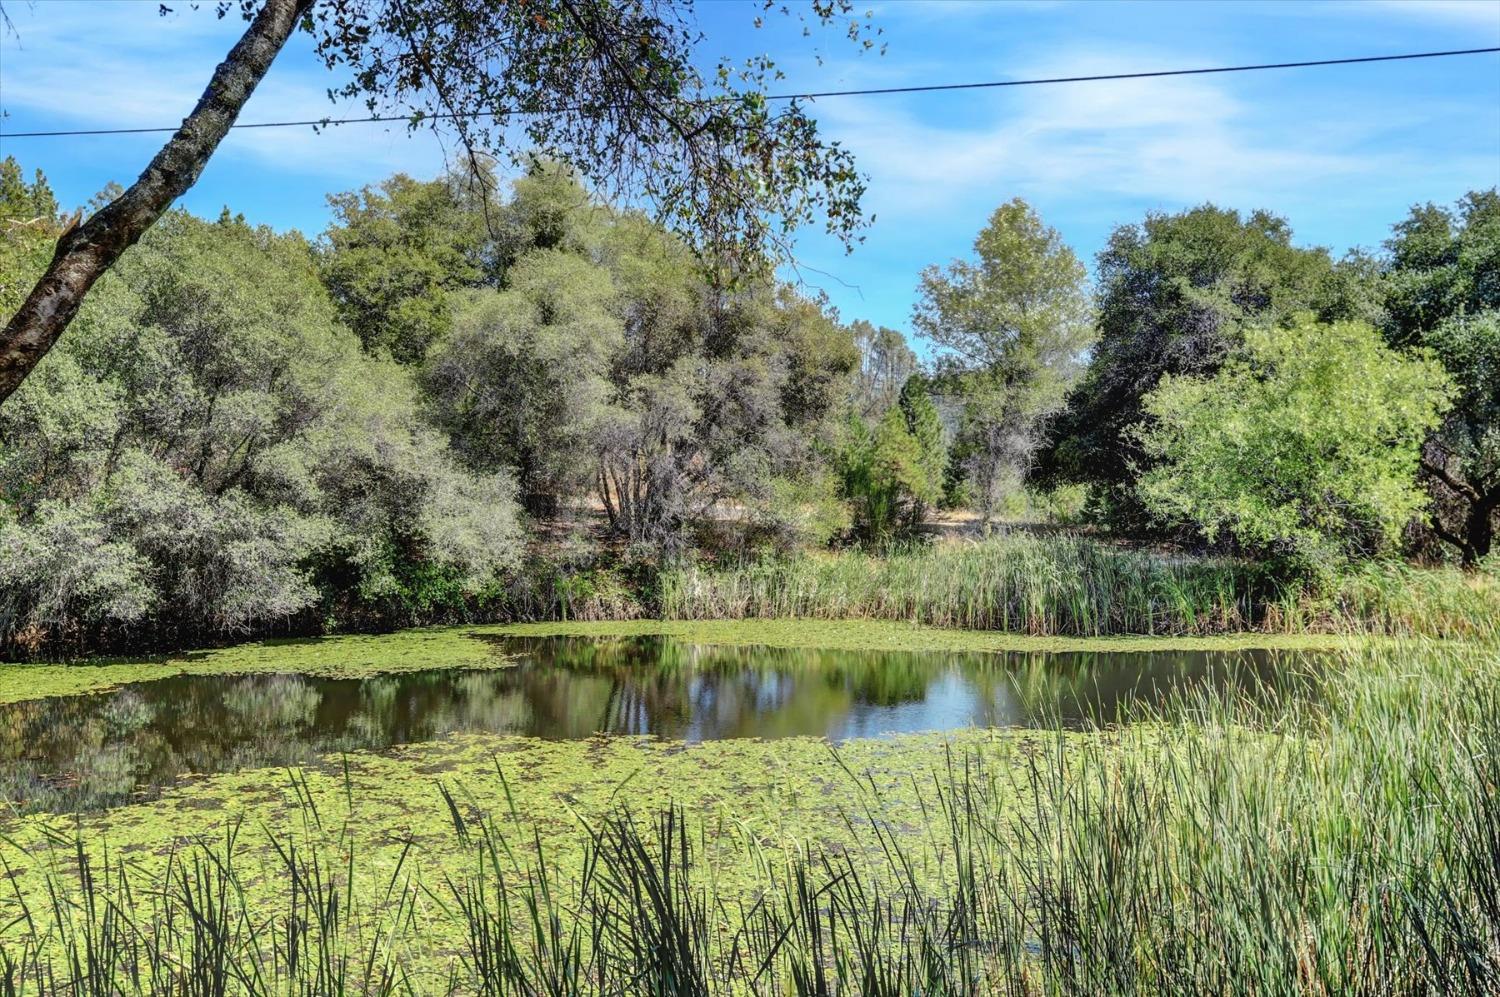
<point x="1301" y="450"/>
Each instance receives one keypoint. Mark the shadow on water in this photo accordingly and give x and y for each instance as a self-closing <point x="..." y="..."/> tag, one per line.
<point x="95" y="751"/>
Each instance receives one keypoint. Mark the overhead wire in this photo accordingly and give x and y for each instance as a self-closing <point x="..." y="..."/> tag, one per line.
<point x="808" y="95"/>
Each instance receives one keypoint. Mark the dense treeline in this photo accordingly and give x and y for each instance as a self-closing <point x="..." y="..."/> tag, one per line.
<point x="248" y="429"/>
<point x="212" y="451"/>
<point x="471" y="400"/>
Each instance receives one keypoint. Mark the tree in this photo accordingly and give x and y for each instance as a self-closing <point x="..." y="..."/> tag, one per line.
<point x="395" y="253"/>
<point x="1443" y="294"/>
<point x="648" y="478"/>
<point x="926" y="428"/>
<point x="1012" y="325"/>
<point x="211" y="451"/>
<point x="1176" y="294"/>
<point x="26" y="204"/>
<point x="893" y="471"/>
<point x="520" y="380"/>
<point x="84" y="252"/>
<point x="737" y="417"/>
<point x="885" y="363"/>
<point x="1302" y="448"/>
<point x="604" y="360"/>
<point x="613" y="89"/>
<point x="28" y="227"/>
<point x="1461" y="460"/>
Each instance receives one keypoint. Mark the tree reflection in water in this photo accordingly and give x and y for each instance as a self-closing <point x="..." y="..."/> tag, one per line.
<point x="89" y="752"/>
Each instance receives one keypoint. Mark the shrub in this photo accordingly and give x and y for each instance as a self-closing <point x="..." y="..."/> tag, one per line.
<point x="1302" y="449"/>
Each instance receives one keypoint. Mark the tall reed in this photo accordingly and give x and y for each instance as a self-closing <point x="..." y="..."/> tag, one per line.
<point x="1078" y="586"/>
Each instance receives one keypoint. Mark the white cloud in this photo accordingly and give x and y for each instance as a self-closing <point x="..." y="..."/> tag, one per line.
<point x="1172" y="140"/>
<point x="121" y="65"/>
<point x="1458" y="13"/>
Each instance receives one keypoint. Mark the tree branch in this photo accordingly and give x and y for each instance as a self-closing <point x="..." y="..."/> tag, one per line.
<point x="1456" y="485"/>
<point x="1447" y="536"/>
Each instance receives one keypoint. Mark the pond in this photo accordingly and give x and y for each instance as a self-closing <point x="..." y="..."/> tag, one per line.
<point x="93" y="751"/>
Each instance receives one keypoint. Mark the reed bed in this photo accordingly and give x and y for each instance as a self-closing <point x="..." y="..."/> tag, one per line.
<point x="1350" y="848"/>
<point x="1071" y="585"/>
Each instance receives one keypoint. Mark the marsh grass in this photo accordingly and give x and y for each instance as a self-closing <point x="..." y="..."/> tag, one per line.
<point x="1350" y="846"/>
<point x="1071" y="585"/>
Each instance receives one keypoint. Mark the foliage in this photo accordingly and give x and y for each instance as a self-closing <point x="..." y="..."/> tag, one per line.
<point x="24" y="202"/>
<point x="892" y="472"/>
<point x="617" y="92"/>
<point x="520" y="380"/>
<point x="926" y="428"/>
<point x="1175" y="296"/>
<point x="394" y="252"/>
<point x="885" y="364"/>
<point x="803" y="513"/>
<point x="1443" y="294"/>
<point x="604" y="362"/>
<point x="1462" y="459"/>
<point x="217" y="453"/>
<point x="28" y="230"/>
<point x="1012" y="327"/>
<point x="1301" y="449"/>
<point x="210" y="451"/>
<point x="1062" y="506"/>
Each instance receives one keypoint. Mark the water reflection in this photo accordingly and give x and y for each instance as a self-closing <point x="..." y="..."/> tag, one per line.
<point x="87" y="752"/>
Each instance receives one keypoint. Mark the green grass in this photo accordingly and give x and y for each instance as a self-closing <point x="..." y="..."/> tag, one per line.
<point x="1349" y="844"/>
<point x="1077" y="586"/>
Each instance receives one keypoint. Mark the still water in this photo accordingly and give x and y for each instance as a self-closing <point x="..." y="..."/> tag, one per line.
<point x="94" y="751"/>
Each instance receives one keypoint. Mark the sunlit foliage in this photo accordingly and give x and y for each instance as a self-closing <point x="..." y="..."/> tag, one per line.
<point x="1301" y="449"/>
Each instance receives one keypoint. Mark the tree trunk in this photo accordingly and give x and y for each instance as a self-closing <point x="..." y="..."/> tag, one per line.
<point x="1479" y="535"/>
<point x="84" y="253"/>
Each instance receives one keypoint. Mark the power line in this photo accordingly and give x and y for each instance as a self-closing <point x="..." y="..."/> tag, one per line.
<point x="810" y="95"/>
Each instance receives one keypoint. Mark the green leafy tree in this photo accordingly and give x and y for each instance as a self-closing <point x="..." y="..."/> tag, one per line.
<point x="1301" y="448"/>
<point x="890" y="474"/>
<point x="395" y="252"/>
<point x="1443" y="294"/>
<point x="1012" y="326"/>
<point x="520" y="381"/>
<point x="741" y="415"/>
<point x="28" y="227"/>
<point x="606" y="361"/>
<point x="926" y="428"/>
<point x="22" y="202"/>
<point x="1176" y="294"/>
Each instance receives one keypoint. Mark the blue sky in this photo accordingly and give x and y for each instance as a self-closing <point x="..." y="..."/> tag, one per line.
<point x="1341" y="152"/>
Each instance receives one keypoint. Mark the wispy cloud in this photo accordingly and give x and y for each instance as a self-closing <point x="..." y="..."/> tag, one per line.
<point x="1459" y="13"/>
<point x="1174" y="140"/>
<point x="123" y="66"/>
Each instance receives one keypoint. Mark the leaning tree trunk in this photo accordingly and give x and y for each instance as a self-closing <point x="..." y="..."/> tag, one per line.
<point x="85" y="252"/>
